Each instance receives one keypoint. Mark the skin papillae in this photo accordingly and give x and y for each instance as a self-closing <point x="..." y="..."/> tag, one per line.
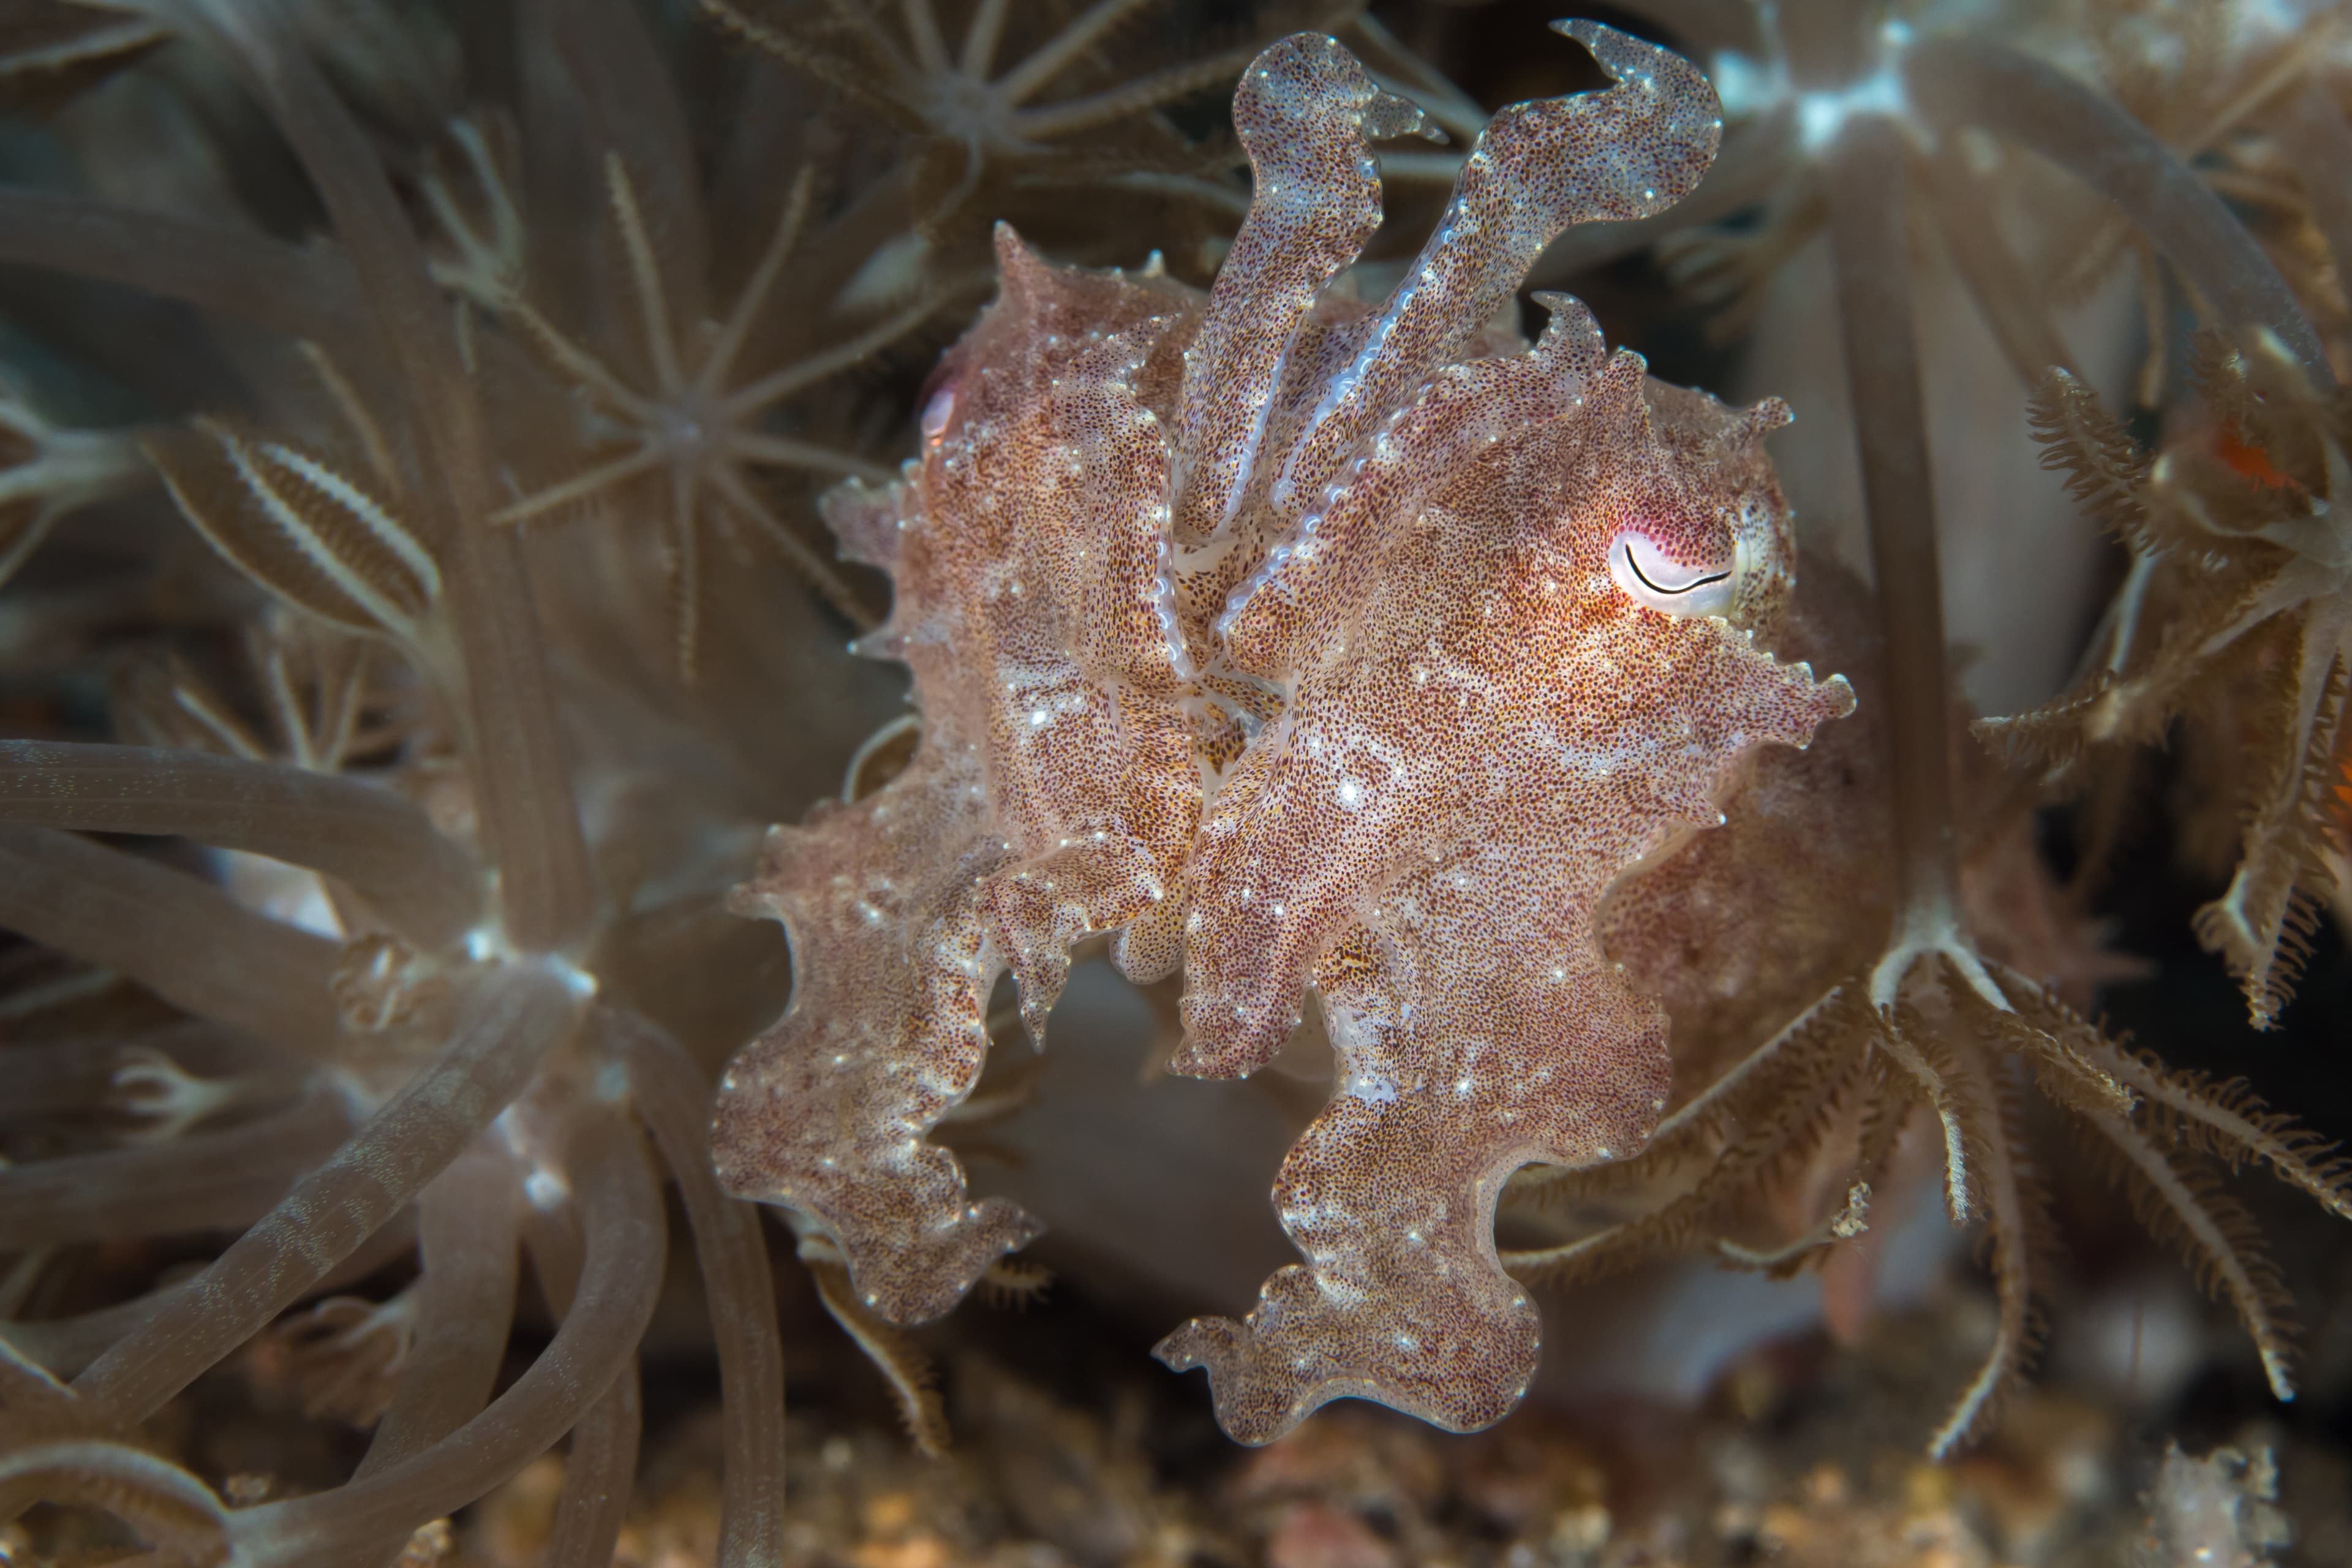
<point x="1275" y="632"/>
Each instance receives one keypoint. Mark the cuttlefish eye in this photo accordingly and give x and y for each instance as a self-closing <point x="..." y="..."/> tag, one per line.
<point x="1638" y="567"/>
<point x="937" y="413"/>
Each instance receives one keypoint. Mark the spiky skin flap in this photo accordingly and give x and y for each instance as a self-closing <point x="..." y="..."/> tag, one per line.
<point x="1294" y="640"/>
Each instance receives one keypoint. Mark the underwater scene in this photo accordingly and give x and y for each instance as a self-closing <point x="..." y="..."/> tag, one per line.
<point x="1175" y="783"/>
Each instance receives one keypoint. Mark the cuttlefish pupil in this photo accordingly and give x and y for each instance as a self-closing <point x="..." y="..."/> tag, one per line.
<point x="1649" y="577"/>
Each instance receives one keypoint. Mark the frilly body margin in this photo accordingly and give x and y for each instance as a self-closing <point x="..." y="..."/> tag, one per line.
<point x="1129" y="495"/>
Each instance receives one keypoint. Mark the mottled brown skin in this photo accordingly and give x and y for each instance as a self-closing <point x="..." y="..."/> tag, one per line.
<point x="1809" y="844"/>
<point x="1807" y="839"/>
<point x="1054" y="792"/>
<point x="1279" y="632"/>
<point x="1493" y="735"/>
<point x="1739" y="930"/>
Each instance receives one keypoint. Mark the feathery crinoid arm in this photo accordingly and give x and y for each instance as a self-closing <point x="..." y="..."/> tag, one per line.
<point x="1514" y="623"/>
<point x="1054" y="792"/>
